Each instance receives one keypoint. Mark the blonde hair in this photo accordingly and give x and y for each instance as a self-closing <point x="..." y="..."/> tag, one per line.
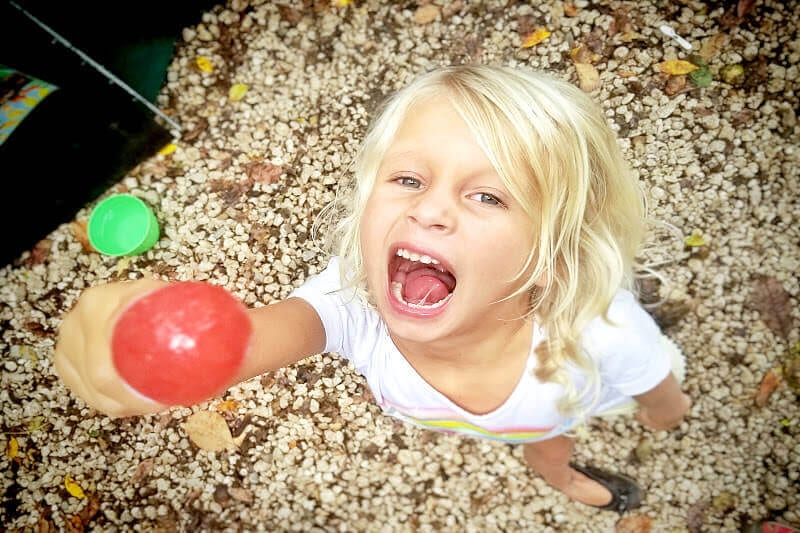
<point x="555" y="152"/>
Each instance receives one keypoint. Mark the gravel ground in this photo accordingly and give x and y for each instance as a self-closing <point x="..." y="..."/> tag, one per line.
<point x="237" y="199"/>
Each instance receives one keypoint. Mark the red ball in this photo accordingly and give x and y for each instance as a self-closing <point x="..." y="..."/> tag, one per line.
<point x="183" y="343"/>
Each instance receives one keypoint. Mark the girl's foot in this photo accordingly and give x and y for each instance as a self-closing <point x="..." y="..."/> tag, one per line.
<point x="603" y="489"/>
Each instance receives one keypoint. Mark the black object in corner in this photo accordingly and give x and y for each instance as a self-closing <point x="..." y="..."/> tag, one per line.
<point x="87" y="133"/>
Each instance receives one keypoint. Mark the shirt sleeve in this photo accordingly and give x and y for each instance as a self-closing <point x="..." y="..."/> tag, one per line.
<point x="629" y="351"/>
<point x="350" y="327"/>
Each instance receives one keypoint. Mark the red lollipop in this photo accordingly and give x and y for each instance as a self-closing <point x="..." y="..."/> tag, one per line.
<point x="181" y="344"/>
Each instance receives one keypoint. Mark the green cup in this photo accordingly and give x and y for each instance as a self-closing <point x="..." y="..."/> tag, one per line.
<point x="122" y="225"/>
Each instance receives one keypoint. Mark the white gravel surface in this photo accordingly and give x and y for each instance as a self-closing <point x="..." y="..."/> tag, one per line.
<point x="315" y="453"/>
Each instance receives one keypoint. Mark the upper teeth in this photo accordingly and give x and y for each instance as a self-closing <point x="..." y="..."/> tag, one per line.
<point x="428" y="260"/>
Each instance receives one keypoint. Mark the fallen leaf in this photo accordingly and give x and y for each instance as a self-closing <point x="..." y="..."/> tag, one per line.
<point x="743" y="7"/>
<point x="79" y="231"/>
<point x="123" y="265"/>
<point x="204" y="64"/>
<point x="732" y="74"/>
<point x="694" y="240"/>
<point x="237" y="91"/>
<point x="535" y="37"/>
<point x="142" y="471"/>
<point x="241" y="494"/>
<point x="583" y="54"/>
<point x="696" y="516"/>
<point x="644" y="450"/>
<point x="675" y="84"/>
<point x="37" y="423"/>
<point x="791" y="369"/>
<point x="713" y="45"/>
<point x="426" y="14"/>
<point x="227" y="406"/>
<point x="40" y="252"/>
<point x="570" y="10"/>
<point x="342" y="3"/>
<point x="588" y="77"/>
<point x="168" y="149"/>
<point x="263" y="172"/>
<point x="208" y="431"/>
<point x="676" y="67"/>
<point x="638" y="523"/>
<point x="701" y="77"/>
<point x="73" y="488"/>
<point x="772" y="301"/>
<point x="724" y="502"/>
<point x="769" y="383"/>
<point x="12" y="448"/>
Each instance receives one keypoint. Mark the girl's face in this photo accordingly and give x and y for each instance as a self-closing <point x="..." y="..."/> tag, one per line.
<point x="441" y="236"/>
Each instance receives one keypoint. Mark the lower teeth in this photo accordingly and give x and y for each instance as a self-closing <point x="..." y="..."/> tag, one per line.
<point x="397" y="291"/>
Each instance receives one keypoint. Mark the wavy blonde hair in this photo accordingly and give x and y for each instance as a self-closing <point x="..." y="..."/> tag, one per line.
<point x="555" y="152"/>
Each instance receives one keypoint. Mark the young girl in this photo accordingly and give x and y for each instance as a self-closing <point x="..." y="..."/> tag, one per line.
<point x="482" y="280"/>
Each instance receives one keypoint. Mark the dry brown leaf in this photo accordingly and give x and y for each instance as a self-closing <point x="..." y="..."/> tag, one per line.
<point x="769" y="383"/>
<point x="79" y="231"/>
<point x="263" y="172"/>
<point x="209" y="431"/>
<point x="583" y="54"/>
<point x="675" y="84"/>
<point x="426" y="14"/>
<point x="743" y="7"/>
<point x="772" y="302"/>
<point x="570" y="10"/>
<point x="588" y="77"/>
<point x="241" y="494"/>
<point x="40" y="252"/>
<point x="713" y="45"/>
<point x="638" y="523"/>
<point x="142" y="471"/>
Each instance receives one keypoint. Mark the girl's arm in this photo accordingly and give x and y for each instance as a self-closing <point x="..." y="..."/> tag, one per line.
<point x="283" y="333"/>
<point x="664" y="406"/>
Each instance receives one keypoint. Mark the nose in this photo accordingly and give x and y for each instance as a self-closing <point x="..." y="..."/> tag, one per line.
<point x="433" y="209"/>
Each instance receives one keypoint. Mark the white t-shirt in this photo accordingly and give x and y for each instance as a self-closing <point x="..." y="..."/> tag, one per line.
<point x="631" y="356"/>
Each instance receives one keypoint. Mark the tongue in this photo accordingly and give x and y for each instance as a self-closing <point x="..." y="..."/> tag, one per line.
<point x="423" y="287"/>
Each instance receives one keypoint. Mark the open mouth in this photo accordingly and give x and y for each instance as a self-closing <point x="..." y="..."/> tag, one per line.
<point x="419" y="282"/>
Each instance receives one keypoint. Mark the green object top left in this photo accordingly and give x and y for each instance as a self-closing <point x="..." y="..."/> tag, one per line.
<point x="122" y="225"/>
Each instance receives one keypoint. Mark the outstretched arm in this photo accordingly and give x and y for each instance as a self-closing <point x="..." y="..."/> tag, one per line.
<point x="282" y="333"/>
<point x="664" y="406"/>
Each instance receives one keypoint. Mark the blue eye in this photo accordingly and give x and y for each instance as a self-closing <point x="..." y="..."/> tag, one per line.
<point x="486" y="198"/>
<point x="408" y="181"/>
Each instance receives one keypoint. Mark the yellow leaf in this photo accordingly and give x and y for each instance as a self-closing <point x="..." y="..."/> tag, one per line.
<point x="694" y="240"/>
<point x="204" y="64"/>
<point x="12" y="448"/>
<point x="227" y="405"/>
<point x="35" y="424"/>
<point x="237" y="91"/>
<point x="676" y="67"/>
<point x="123" y="265"/>
<point x="535" y="37"/>
<point x="209" y="431"/>
<point x="168" y="149"/>
<point x="73" y="488"/>
<point x="342" y="3"/>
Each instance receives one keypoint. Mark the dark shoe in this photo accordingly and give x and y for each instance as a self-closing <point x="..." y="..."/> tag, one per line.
<point x="625" y="493"/>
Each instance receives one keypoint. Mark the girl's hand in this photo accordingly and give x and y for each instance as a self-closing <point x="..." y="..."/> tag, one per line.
<point x="83" y="352"/>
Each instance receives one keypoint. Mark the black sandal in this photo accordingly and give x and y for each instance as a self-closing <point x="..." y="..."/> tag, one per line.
<point x="625" y="492"/>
